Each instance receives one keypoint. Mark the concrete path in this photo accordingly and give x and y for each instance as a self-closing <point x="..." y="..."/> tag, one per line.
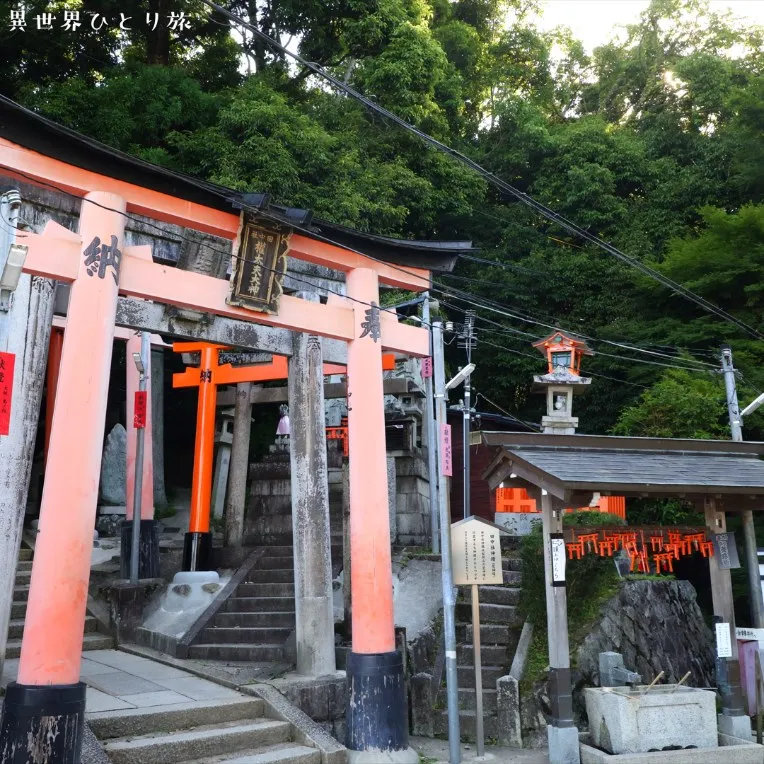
<point x="118" y="681"/>
<point x="436" y="752"/>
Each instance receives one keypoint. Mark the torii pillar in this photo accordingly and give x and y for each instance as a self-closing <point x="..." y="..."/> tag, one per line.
<point x="377" y="715"/>
<point x="43" y="717"/>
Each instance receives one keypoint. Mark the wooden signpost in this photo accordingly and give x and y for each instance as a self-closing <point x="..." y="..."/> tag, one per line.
<point x="476" y="560"/>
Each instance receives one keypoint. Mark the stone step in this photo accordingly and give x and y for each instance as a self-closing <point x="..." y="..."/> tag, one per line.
<point x="513" y="577"/>
<point x="27" y="565"/>
<point x="272" y="576"/>
<point x="209" y="740"/>
<point x="265" y="590"/>
<point x="237" y="652"/>
<point x="490" y="634"/>
<point x="495" y="595"/>
<point x="283" y="753"/>
<point x="25" y="555"/>
<point x="157" y="719"/>
<point x="468" y="700"/>
<point x="16" y="627"/>
<point x="466" y="676"/>
<point x="20" y="593"/>
<point x="492" y="655"/>
<point x="19" y="609"/>
<point x="467" y="725"/>
<point x="22" y="578"/>
<point x="92" y="641"/>
<point x="276" y="620"/>
<point x="258" y="604"/>
<point x="511" y="563"/>
<point x="276" y="563"/>
<point x="245" y="636"/>
<point x="504" y="614"/>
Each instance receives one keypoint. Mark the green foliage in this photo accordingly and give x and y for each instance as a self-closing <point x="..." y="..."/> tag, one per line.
<point x="680" y="405"/>
<point x="590" y="582"/>
<point x="664" y="512"/>
<point x="653" y="142"/>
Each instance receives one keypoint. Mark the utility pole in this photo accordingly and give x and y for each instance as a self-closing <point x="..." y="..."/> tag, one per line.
<point x="432" y="439"/>
<point x="749" y="531"/>
<point x="449" y="597"/>
<point x="467" y="340"/>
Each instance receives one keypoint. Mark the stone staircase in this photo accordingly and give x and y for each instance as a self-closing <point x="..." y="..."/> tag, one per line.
<point x="500" y="627"/>
<point x="92" y="640"/>
<point x="217" y="732"/>
<point x="256" y="621"/>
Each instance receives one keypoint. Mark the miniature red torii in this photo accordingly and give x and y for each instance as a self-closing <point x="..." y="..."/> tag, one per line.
<point x="207" y="377"/>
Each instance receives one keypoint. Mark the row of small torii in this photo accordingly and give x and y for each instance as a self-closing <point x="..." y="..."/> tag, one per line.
<point x="635" y="545"/>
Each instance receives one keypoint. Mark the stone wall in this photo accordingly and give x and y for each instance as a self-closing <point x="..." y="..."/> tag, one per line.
<point x="412" y="499"/>
<point x="656" y="625"/>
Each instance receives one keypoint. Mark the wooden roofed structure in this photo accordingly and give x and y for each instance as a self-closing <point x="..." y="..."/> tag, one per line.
<point x="561" y="471"/>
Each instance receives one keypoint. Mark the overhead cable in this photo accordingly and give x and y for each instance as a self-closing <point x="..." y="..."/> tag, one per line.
<point x="502" y="185"/>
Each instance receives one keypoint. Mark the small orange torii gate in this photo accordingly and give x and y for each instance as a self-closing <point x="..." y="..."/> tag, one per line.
<point x="208" y="376"/>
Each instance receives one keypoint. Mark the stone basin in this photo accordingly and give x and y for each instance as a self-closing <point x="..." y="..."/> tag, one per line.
<point x="625" y="720"/>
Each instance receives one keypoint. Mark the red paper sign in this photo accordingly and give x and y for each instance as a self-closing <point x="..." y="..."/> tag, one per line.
<point x="139" y="416"/>
<point x="426" y="367"/>
<point x="7" y="362"/>
<point x="445" y="448"/>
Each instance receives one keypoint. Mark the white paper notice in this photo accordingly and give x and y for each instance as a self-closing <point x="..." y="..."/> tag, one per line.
<point x="723" y="640"/>
<point x="558" y="561"/>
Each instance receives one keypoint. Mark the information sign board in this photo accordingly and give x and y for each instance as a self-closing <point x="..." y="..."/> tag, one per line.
<point x="475" y="552"/>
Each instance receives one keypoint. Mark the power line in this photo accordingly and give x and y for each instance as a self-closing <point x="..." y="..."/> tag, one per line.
<point x="509" y="189"/>
<point x="579" y="334"/>
<point x="506" y="413"/>
<point x="473" y="299"/>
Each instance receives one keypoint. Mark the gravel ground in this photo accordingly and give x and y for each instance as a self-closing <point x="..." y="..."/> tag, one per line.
<point x="434" y="751"/>
<point x="92" y="753"/>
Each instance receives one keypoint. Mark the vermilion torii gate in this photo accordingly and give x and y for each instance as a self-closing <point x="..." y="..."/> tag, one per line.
<point x="208" y="376"/>
<point x="44" y="709"/>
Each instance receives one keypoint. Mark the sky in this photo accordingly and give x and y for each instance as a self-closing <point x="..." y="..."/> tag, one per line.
<point x="592" y="21"/>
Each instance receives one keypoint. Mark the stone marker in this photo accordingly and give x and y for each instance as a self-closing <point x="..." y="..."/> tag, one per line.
<point x="114" y="468"/>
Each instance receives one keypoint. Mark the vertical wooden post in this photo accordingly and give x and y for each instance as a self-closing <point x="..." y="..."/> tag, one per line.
<point x="237" y="477"/>
<point x="44" y="710"/>
<point x="478" y="670"/>
<point x="377" y="717"/>
<point x="561" y="731"/>
<point x="733" y="719"/>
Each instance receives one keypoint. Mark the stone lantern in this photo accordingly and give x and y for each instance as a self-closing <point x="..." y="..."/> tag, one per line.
<point x="563" y="353"/>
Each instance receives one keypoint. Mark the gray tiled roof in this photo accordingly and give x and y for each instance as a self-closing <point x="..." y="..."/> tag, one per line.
<point x="597" y="469"/>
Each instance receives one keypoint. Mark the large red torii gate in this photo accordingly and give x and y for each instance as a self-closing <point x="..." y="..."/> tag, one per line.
<point x="100" y="267"/>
